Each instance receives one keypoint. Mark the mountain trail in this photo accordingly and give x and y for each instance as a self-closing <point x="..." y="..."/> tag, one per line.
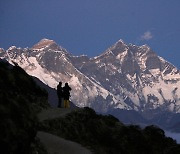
<point x="55" y="144"/>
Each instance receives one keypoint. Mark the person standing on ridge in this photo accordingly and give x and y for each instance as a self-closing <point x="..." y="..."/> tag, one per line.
<point x="66" y="95"/>
<point x="60" y="94"/>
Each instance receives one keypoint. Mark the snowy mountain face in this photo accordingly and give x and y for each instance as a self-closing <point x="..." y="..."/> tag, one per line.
<point x="51" y="64"/>
<point x="124" y="76"/>
<point x="137" y="75"/>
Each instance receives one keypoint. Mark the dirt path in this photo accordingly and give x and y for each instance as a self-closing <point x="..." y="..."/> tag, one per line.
<point x="53" y="113"/>
<point x="57" y="145"/>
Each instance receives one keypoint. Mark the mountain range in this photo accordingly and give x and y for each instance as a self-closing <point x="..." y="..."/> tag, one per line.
<point x="124" y="77"/>
<point x="29" y="125"/>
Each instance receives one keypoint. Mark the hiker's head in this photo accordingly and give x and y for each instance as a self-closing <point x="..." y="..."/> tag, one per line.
<point x="60" y="83"/>
<point x="66" y="84"/>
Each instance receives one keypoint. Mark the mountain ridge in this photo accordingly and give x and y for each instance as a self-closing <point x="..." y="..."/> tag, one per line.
<point x="125" y="76"/>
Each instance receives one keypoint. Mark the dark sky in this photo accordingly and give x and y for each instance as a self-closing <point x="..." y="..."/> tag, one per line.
<point x="91" y="26"/>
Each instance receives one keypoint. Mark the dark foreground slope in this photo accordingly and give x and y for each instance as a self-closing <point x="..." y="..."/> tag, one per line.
<point x="20" y="101"/>
<point x="105" y="134"/>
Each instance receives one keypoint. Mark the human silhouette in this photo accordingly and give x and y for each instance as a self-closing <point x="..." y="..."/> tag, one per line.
<point x="66" y="95"/>
<point x="60" y="94"/>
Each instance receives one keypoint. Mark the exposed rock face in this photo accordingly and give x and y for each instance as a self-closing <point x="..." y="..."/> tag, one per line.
<point x="125" y="76"/>
<point x="136" y="74"/>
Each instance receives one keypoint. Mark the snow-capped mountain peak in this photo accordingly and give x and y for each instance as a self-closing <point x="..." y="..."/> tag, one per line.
<point x="118" y="47"/>
<point x="125" y="76"/>
<point x="46" y="44"/>
<point x="120" y="41"/>
<point x="136" y="74"/>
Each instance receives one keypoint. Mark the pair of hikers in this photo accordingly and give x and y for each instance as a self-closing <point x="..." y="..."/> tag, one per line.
<point x="63" y="95"/>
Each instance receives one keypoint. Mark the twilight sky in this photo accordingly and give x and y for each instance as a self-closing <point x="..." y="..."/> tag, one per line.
<point x="91" y="26"/>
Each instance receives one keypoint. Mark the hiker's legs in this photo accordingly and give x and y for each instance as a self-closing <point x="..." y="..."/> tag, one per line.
<point x="65" y="104"/>
<point x="68" y="106"/>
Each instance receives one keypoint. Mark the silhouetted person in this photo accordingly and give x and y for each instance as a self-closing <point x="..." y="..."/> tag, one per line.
<point x="60" y="94"/>
<point x="66" y="95"/>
